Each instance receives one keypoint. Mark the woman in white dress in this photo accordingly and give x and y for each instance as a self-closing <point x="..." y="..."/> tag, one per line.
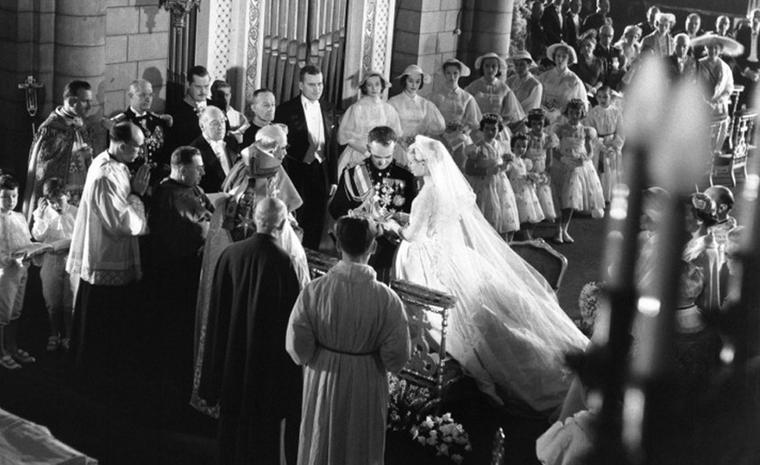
<point x="418" y="115"/>
<point x="492" y="94"/>
<point x="560" y="84"/>
<point x="370" y="111"/>
<point x="507" y="329"/>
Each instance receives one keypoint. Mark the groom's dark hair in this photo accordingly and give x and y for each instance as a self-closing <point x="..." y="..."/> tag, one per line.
<point x="355" y="235"/>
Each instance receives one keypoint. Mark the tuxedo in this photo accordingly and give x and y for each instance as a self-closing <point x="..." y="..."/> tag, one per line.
<point x="185" y="128"/>
<point x="594" y="21"/>
<point x="214" y="177"/>
<point x="571" y="29"/>
<point x="311" y="173"/>
<point x="551" y="21"/>
<point x="676" y="70"/>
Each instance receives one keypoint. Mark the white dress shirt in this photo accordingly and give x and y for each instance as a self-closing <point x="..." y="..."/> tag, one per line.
<point x="315" y="125"/>
<point x="220" y="150"/>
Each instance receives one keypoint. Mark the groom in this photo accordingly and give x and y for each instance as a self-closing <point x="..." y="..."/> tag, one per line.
<point x="378" y="176"/>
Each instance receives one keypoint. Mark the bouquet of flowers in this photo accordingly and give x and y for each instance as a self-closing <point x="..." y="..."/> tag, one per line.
<point x="588" y="302"/>
<point x="441" y="433"/>
<point x="407" y="403"/>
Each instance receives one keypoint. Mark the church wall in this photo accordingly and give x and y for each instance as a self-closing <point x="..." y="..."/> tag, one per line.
<point x="137" y="46"/>
<point x="424" y="34"/>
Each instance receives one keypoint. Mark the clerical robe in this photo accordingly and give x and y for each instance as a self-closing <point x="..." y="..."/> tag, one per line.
<point x="348" y="330"/>
<point x="246" y="369"/>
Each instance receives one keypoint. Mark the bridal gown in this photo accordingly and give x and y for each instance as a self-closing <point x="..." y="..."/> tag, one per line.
<point x="507" y="329"/>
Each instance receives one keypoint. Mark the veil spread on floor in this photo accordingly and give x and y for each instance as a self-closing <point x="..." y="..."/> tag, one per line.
<point x="507" y="329"/>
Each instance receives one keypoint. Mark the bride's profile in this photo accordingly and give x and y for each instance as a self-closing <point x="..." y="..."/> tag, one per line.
<point x="507" y="329"/>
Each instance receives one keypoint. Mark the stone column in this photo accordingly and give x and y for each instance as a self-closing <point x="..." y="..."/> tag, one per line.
<point x="486" y="27"/>
<point x="80" y="46"/>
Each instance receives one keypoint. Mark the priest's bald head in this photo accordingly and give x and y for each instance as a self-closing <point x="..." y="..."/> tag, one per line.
<point x="270" y="216"/>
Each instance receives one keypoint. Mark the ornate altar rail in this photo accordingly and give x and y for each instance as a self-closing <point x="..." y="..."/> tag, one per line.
<point x="427" y="365"/>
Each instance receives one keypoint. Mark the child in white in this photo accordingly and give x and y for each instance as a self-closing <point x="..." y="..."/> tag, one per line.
<point x="485" y="170"/>
<point x="54" y="224"/>
<point x="607" y="119"/>
<point x="14" y="235"/>
<point x="540" y="146"/>
<point x="524" y="185"/>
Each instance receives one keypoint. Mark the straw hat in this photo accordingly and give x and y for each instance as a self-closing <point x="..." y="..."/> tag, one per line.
<point x="670" y="17"/>
<point x="479" y="60"/>
<point x="415" y="69"/>
<point x="464" y="70"/>
<point x="730" y="46"/>
<point x="522" y="55"/>
<point x="378" y="74"/>
<point x="552" y="49"/>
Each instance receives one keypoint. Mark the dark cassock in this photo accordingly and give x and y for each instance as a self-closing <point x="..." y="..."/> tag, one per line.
<point x="178" y="223"/>
<point x="246" y="369"/>
<point x="392" y="189"/>
<point x="61" y="148"/>
<point x="154" y="152"/>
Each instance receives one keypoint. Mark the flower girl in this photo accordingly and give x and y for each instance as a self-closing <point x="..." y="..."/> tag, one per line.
<point x="541" y="144"/>
<point x="485" y="169"/>
<point x="607" y="120"/>
<point x="524" y="185"/>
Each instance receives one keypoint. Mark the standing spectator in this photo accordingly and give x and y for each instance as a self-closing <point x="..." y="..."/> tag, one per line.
<point x="185" y="128"/>
<point x="105" y="254"/>
<point x="417" y="114"/>
<point x="54" y="224"/>
<point x="221" y="96"/>
<point x="589" y="67"/>
<point x="246" y="369"/>
<point x="693" y="28"/>
<point x="723" y="26"/>
<point x="490" y="91"/>
<point x="179" y="220"/>
<point x="650" y="25"/>
<point x="263" y="108"/>
<point x="599" y="18"/>
<point x="714" y="73"/>
<point x="14" y="234"/>
<point x="311" y="162"/>
<point x="571" y="26"/>
<point x="680" y="64"/>
<point x="523" y="83"/>
<point x="551" y="21"/>
<point x="62" y="147"/>
<point x="629" y="46"/>
<point x="748" y="63"/>
<point x="660" y="42"/>
<point x="378" y="175"/>
<point x="560" y="84"/>
<point x="535" y="43"/>
<point x="347" y="354"/>
<point x="218" y="151"/>
<point x="606" y="52"/>
<point x="155" y="128"/>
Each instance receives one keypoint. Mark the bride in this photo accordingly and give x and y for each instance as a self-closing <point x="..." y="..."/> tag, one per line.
<point x="507" y="329"/>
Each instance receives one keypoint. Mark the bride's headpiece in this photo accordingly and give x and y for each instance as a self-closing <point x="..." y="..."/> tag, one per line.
<point x="423" y="149"/>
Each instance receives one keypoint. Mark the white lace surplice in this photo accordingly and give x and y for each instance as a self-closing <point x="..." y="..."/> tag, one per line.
<point x="507" y="329"/>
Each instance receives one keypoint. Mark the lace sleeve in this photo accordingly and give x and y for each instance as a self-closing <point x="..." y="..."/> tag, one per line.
<point x="420" y="216"/>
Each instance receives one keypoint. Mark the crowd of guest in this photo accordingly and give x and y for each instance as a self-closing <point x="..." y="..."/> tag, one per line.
<point x="201" y="218"/>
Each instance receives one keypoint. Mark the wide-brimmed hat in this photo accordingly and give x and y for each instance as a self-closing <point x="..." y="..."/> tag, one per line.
<point x="378" y="74"/>
<point x="522" y="55"/>
<point x="552" y="49"/>
<point x="670" y="17"/>
<point x="464" y="70"/>
<point x="479" y="60"/>
<point x="730" y="46"/>
<point x="416" y="69"/>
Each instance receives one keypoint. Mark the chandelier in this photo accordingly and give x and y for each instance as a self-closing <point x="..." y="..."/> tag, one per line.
<point x="179" y="10"/>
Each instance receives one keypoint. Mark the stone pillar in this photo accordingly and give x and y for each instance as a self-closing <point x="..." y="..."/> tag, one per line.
<point x="80" y="46"/>
<point x="486" y="27"/>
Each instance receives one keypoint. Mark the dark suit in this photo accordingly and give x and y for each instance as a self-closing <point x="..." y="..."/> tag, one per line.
<point x="571" y="29"/>
<point x="744" y="37"/>
<point x="594" y="21"/>
<point x="212" y="181"/>
<point x="675" y="71"/>
<point x="185" y="128"/>
<point x="312" y="180"/>
<point x="552" y="25"/>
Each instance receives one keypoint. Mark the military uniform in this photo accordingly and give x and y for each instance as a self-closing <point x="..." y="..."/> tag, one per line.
<point x="393" y="190"/>
<point x="154" y="151"/>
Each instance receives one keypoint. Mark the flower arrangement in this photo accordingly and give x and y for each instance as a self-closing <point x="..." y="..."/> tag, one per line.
<point x="588" y="302"/>
<point x="447" y="437"/>
<point x="411" y="409"/>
